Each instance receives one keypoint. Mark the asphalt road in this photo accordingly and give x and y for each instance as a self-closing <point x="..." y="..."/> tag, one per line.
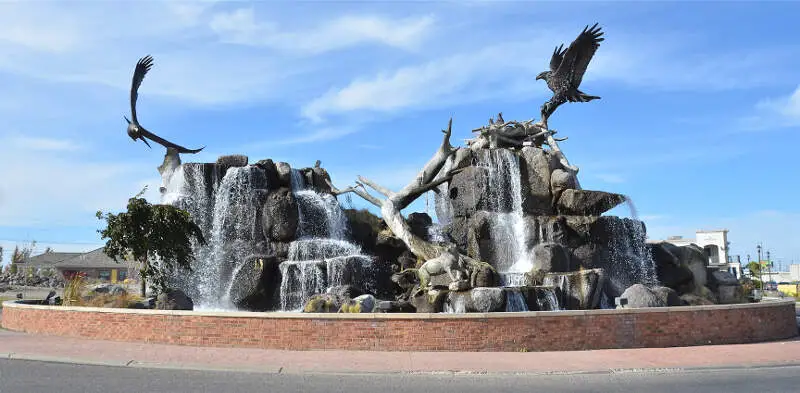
<point x="17" y="376"/>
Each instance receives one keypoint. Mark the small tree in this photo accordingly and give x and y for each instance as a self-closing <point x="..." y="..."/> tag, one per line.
<point x="755" y="271"/>
<point x="159" y="237"/>
<point x="20" y="256"/>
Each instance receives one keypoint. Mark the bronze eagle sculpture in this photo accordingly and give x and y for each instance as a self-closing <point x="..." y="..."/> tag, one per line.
<point x="135" y="130"/>
<point x="567" y="68"/>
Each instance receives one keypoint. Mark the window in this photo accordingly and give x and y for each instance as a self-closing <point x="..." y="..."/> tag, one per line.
<point x="104" y="275"/>
<point x="122" y="275"/>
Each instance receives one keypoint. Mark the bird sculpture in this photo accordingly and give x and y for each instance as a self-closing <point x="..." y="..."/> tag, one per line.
<point x="567" y="68"/>
<point x="135" y="130"/>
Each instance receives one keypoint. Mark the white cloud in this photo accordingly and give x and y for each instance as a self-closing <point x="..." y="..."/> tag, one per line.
<point x="43" y="144"/>
<point x="51" y="188"/>
<point x="507" y="71"/>
<point x="241" y="27"/>
<point x="775" y="112"/>
<point x="450" y="80"/>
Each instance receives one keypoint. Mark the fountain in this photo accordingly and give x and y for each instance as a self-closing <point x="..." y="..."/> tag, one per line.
<point x="515" y="230"/>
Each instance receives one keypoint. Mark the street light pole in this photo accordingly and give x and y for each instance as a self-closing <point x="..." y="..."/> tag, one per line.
<point x="769" y="268"/>
<point x="760" y="273"/>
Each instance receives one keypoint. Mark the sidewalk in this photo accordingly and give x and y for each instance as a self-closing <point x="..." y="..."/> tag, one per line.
<point x="15" y="345"/>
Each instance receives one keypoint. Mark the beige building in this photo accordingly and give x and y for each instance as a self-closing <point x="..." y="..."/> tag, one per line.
<point x="715" y="245"/>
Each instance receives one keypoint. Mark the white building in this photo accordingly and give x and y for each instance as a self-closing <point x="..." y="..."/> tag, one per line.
<point x="715" y="245"/>
<point x="794" y="272"/>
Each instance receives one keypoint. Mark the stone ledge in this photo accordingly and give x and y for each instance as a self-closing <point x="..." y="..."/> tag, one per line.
<point x="299" y="315"/>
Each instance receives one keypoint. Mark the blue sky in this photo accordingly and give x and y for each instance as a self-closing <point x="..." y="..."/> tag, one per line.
<point x="698" y="121"/>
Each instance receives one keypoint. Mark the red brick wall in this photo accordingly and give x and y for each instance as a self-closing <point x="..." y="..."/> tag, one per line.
<point x="572" y="330"/>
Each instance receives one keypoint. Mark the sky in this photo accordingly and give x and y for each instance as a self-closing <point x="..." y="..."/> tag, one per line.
<point x="698" y="123"/>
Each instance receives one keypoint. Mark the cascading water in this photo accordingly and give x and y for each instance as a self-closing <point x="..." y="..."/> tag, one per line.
<point x="321" y="257"/>
<point x="629" y="260"/>
<point x="515" y="301"/>
<point x="508" y="230"/>
<point x="227" y="218"/>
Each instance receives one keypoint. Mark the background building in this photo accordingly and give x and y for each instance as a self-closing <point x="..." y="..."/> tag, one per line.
<point x="39" y="263"/>
<point x="715" y="245"/>
<point x="97" y="265"/>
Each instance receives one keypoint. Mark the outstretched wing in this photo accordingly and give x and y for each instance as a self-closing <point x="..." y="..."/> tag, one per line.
<point x="163" y="142"/>
<point x="558" y="56"/>
<point x="577" y="56"/>
<point x="142" y="66"/>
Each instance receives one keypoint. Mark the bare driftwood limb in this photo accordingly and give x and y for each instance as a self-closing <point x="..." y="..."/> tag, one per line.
<point x="427" y="179"/>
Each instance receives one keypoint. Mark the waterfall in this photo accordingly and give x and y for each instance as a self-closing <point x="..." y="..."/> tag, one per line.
<point x="508" y="230"/>
<point x="546" y="299"/>
<point x="321" y="257"/>
<point x="629" y="260"/>
<point x="515" y="301"/>
<point x="227" y="218"/>
<point x="442" y="205"/>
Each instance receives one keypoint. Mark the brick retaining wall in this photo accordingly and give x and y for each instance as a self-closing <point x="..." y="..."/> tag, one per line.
<point x="531" y="331"/>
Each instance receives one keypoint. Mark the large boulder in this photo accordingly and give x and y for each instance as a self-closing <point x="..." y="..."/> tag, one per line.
<point x="284" y="172"/>
<point x="695" y="259"/>
<point x="364" y="227"/>
<point x="725" y="287"/>
<point x="466" y="191"/>
<point x="641" y="296"/>
<point x="579" y="290"/>
<point x="360" y="304"/>
<point x="536" y="167"/>
<point x="551" y="258"/>
<point x="232" y="160"/>
<point x="255" y="285"/>
<point x="475" y="300"/>
<point x="670" y="271"/>
<point x="280" y="217"/>
<point x="320" y="179"/>
<point x="587" y="203"/>
<point x="174" y="299"/>
<point x="271" y="173"/>
<point x="324" y="303"/>
<point x="428" y="301"/>
<point x="561" y="180"/>
<point x="419" y="223"/>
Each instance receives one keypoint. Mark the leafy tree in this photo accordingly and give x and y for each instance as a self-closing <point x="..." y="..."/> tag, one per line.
<point x="755" y="271"/>
<point x="159" y="237"/>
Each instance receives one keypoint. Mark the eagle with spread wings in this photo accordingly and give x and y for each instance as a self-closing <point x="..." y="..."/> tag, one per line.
<point x="567" y="67"/>
<point x="135" y="130"/>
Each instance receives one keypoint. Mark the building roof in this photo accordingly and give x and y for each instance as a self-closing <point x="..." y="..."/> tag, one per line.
<point x="92" y="259"/>
<point x="48" y="259"/>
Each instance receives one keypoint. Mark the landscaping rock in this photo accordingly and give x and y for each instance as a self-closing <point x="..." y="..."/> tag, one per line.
<point x="174" y="299"/>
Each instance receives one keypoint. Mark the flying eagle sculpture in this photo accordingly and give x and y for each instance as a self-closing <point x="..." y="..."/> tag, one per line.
<point x="135" y="130"/>
<point x="567" y="68"/>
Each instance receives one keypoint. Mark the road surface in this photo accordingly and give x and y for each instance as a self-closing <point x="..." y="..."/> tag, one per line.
<point x="19" y="376"/>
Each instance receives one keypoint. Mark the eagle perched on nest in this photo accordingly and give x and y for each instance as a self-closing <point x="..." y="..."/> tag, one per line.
<point x="567" y="68"/>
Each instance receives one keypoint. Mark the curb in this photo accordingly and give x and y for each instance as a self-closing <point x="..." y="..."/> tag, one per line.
<point x="292" y="371"/>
